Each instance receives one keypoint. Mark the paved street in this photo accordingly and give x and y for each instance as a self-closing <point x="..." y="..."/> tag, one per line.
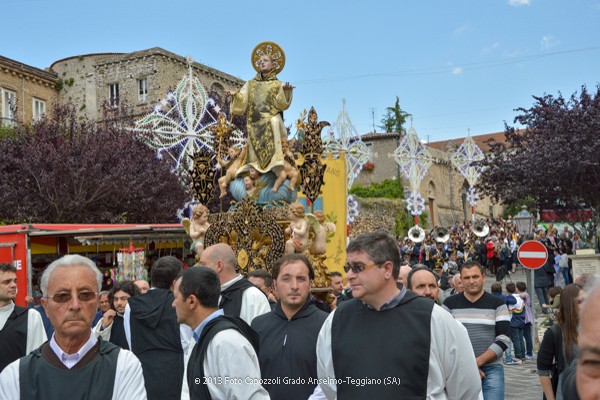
<point x="521" y="381"/>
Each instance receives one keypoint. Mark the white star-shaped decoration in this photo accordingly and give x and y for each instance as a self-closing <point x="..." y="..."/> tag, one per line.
<point x="413" y="158"/>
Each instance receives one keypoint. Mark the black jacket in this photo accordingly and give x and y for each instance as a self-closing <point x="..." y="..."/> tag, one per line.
<point x="288" y="350"/>
<point x="156" y="341"/>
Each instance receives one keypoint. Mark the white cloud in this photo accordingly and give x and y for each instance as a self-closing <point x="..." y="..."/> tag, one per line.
<point x="548" y="41"/>
<point x="461" y="29"/>
<point x="519" y="3"/>
<point x="457" y="70"/>
<point x="489" y="49"/>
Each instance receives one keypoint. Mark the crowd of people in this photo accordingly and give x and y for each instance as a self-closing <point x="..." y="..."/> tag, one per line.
<point x="209" y="332"/>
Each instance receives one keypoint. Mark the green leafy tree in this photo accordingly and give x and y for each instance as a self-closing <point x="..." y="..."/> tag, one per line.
<point x="394" y="118"/>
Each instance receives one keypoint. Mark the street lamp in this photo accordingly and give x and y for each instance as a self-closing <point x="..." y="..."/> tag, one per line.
<point x="524" y="221"/>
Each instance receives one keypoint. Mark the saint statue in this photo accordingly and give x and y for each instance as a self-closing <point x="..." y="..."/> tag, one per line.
<point x="262" y="100"/>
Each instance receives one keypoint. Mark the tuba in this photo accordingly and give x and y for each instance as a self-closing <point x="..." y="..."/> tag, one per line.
<point x="416" y="234"/>
<point x="480" y="228"/>
<point x="440" y="234"/>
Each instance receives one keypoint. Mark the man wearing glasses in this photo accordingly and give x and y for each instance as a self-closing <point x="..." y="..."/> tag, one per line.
<point x="73" y="364"/>
<point x="389" y="342"/>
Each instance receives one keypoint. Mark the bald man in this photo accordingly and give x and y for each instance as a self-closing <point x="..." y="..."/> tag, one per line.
<point x="239" y="297"/>
<point x="403" y="274"/>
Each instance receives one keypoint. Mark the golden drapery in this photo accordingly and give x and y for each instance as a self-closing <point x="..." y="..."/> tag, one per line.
<point x="262" y="100"/>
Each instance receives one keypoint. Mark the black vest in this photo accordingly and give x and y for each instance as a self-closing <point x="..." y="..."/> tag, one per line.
<point x="39" y="379"/>
<point x="231" y="298"/>
<point x="387" y="352"/>
<point x="117" y="333"/>
<point x="13" y="337"/>
<point x="195" y="371"/>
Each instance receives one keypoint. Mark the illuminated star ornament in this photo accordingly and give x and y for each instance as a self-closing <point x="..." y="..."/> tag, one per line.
<point x="414" y="160"/>
<point x="179" y="125"/>
<point x="357" y="153"/>
<point x="466" y="160"/>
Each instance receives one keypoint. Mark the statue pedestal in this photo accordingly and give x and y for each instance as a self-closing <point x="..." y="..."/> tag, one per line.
<point x="585" y="264"/>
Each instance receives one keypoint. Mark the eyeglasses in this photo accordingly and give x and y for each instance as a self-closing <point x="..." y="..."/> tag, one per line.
<point x="357" y="269"/>
<point x="66" y="297"/>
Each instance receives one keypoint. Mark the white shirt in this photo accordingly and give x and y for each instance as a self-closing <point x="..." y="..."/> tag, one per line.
<point x="230" y="356"/>
<point x="36" y="334"/>
<point x="129" y="380"/>
<point x="69" y="360"/>
<point x="254" y="301"/>
<point x="453" y="372"/>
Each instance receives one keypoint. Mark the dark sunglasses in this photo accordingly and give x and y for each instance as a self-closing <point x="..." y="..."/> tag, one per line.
<point x="66" y="297"/>
<point x="357" y="269"/>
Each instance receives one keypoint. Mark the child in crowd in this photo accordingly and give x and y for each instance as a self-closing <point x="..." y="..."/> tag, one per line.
<point x="522" y="292"/>
<point x="509" y="300"/>
<point x="558" y="276"/>
<point x="517" y="321"/>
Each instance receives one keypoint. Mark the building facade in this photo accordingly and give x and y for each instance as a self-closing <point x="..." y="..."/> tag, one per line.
<point x="26" y="92"/>
<point x="137" y="80"/>
<point x="443" y="188"/>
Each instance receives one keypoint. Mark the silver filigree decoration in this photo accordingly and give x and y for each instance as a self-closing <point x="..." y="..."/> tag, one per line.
<point x="466" y="160"/>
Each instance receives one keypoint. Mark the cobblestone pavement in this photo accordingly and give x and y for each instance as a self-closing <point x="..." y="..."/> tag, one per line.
<point x="520" y="381"/>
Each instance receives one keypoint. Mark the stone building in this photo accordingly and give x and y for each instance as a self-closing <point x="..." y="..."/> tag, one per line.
<point x="26" y="92"/>
<point x="137" y="80"/>
<point x="443" y="188"/>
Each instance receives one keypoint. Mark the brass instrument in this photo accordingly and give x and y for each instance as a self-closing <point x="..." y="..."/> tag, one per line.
<point x="416" y="234"/>
<point x="440" y="234"/>
<point x="480" y="228"/>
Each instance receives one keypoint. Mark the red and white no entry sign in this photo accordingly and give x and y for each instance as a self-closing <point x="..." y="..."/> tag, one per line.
<point x="532" y="254"/>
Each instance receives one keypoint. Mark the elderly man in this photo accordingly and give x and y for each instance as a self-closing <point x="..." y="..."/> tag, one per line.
<point x="21" y="330"/>
<point x="239" y="297"/>
<point x="224" y="364"/>
<point x="104" y="302"/>
<point x="424" y="282"/>
<point x="73" y="364"/>
<point x="435" y="359"/>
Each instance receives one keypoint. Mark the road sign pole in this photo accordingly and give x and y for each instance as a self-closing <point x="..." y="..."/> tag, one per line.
<point x="532" y="296"/>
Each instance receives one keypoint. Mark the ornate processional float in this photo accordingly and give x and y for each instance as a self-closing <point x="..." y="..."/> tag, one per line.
<point x="249" y="170"/>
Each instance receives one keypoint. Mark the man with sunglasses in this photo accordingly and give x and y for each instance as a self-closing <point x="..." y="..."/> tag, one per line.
<point x="73" y="364"/>
<point x="389" y="342"/>
<point x="21" y="330"/>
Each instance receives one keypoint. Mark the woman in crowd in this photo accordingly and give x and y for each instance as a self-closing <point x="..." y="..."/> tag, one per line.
<point x="559" y="345"/>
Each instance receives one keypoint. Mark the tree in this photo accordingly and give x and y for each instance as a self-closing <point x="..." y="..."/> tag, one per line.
<point x="555" y="159"/>
<point x="64" y="170"/>
<point x="394" y="118"/>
